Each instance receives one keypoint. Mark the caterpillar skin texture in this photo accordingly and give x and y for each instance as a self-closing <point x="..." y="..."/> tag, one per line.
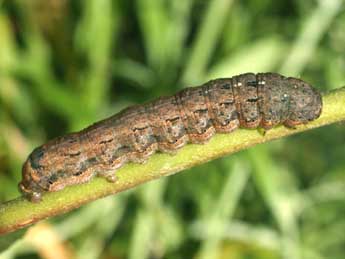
<point x="192" y="115"/>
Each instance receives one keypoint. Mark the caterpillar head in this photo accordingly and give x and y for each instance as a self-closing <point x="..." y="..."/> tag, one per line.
<point x="30" y="185"/>
<point x="305" y="103"/>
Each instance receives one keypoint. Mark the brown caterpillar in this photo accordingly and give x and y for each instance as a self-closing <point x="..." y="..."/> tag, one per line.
<point x="192" y="115"/>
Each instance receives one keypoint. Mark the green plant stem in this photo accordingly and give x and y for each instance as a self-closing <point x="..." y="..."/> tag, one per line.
<point x="19" y="213"/>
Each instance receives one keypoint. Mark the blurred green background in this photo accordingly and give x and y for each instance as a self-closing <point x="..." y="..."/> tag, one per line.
<point x="66" y="64"/>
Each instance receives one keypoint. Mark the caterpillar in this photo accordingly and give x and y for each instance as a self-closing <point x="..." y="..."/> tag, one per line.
<point x="166" y="124"/>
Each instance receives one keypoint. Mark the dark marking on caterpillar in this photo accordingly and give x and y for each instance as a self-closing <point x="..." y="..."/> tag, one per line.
<point x="192" y="115"/>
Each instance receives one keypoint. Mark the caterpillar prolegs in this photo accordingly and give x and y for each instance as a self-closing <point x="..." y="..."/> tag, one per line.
<point x="166" y="124"/>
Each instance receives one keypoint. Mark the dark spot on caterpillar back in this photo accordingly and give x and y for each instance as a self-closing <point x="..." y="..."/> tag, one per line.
<point x="35" y="157"/>
<point x="192" y="115"/>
